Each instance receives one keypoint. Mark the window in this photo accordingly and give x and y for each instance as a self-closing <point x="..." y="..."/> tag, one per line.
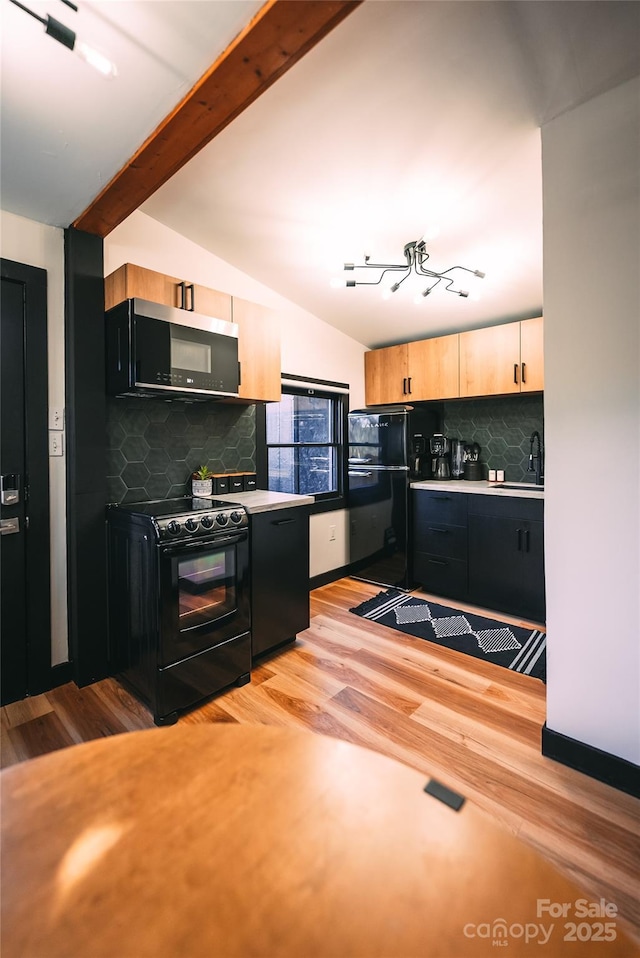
<point x="304" y="443"/>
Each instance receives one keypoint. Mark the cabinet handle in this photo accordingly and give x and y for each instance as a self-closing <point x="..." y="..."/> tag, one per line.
<point x="191" y="287"/>
<point x="183" y="295"/>
<point x="404" y="386"/>
<point x="281" y="522"/>
<point x="437" y="562"/>
<point x="523" y="374"/>
<point x="526" y="540"/>
<point x="441" y="498"/>
<point x="409" y="382"/>
<point x="519" y="534"/>
<point x="442" y="532"/>
<point x="515" y="373"/>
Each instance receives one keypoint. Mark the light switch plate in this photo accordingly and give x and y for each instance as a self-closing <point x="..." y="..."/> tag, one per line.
<point x="56" y="417"/>
<point x="56" y="444"/>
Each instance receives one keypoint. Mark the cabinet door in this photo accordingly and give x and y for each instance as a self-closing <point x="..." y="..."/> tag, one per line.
<point x="506" y="565"/>
<point x="279" y="577"/>
<point x="532" y="584"/>
<point x="211" y="302"/>
<point x="258" y="351"/>
<point x="494" y="561"/>
<point x="433" y="368"/>
<point x="130" y="280"/>
<point x="385" y="375"/>
<point x="490" y="361"/>
<point x="531" y="355"/>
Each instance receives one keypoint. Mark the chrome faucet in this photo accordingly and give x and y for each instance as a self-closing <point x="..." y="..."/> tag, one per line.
<point x="535" y="459"/>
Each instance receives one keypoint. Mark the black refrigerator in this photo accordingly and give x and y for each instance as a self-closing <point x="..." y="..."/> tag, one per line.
<point x="388" y="449"/>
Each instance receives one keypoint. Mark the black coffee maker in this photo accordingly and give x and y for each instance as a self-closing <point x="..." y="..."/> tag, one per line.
<point x="418" y="459"/>
<point x="440" y="452"/>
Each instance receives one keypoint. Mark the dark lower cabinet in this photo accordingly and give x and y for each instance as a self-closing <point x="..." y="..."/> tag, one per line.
<point x="506" y="555"/>
<point x="279" y="577"/>
<point x="484" y="549"/>
<point x="440" y="542"/>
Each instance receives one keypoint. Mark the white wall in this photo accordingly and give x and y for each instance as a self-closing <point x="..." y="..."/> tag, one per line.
<point x="35" y="244"/>
<point x="310" y="347"/>
<point x="591" y="170"/>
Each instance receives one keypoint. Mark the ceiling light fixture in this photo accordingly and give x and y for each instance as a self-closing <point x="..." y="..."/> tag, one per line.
<point x="67" y="38"/>
<point x="416" y="255"/>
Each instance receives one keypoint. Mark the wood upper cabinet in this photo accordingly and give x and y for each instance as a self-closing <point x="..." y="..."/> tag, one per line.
<point x="502" y="359"/>
<point x="258" y="327"/>
<point x="258" y="351"/>
<point x="385" y="375"/>
<point x="433" y="368"/>
<point x="532" y="355"/>
<point x="427" y="369"/>
<point x="130" y="280"/>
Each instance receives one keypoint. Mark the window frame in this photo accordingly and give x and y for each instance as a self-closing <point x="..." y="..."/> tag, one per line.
<point x="338" y="394"/>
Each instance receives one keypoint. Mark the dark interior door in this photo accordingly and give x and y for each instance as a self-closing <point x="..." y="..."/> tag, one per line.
<point x="13" y="610"/>
<point x="25" y="597"/>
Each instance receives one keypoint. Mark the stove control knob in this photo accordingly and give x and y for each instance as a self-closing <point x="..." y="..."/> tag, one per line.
<point x="191" y="525"/>
<point x="222" y="518"/>
<point x="236" y="517"/>
<point x="206" y="522"/>
<point x="173" y="527"/>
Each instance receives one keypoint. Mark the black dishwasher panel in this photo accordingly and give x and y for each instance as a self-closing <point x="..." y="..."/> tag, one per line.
<point x="279" y="577"/>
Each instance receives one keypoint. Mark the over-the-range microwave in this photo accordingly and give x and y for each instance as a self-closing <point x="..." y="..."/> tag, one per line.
<point x="155" y="350"/>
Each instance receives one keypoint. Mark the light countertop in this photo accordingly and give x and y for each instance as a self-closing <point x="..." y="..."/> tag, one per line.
<point x="261" y="500"/>
<point x="524" y="490"/>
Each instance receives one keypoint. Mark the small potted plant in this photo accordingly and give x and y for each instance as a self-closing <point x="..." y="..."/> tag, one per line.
<point x="202" y="482"/>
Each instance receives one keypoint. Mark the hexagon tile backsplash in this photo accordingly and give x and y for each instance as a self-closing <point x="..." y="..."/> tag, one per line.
<point x="153" y="446"/>
<point x="502" y="428"/>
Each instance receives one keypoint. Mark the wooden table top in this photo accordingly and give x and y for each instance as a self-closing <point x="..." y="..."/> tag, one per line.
<point x="212" y="841"/>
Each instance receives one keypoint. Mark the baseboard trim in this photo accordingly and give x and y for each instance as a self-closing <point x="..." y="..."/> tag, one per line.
<point x="592" y="761"/>
<point x="325" y="577"/>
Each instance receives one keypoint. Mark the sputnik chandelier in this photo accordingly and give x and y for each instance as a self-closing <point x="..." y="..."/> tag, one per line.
<point x="416" y="256"/>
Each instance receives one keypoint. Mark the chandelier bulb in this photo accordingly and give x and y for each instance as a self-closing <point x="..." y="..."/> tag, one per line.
<point x="479" y="273"/>
<point x="463" y="292"/>
<point x="349" y="266"/>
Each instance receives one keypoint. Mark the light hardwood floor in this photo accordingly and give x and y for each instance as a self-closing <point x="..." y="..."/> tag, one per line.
<point x="474" y="726"/>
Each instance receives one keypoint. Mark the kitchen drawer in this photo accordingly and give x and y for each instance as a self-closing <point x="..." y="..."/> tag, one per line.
<point x="506" y="507"/>
<point x="449" y="508"/>
<point x="440" y="575"/>
<point x="441" y="540"/>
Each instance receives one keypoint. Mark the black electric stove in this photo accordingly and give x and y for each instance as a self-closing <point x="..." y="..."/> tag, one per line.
<point x="179" y="599"/>
<point x="188" y="517"/>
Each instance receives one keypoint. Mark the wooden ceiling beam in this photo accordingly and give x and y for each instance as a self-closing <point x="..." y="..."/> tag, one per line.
<point x="277" y="37"/>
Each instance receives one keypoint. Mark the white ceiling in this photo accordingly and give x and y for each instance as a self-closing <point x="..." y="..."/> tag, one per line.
<point x="65" y="130"/>
<point x="408" y="116"/>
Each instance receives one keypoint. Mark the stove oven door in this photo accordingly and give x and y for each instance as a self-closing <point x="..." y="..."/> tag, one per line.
<point x="204" y="595"/>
